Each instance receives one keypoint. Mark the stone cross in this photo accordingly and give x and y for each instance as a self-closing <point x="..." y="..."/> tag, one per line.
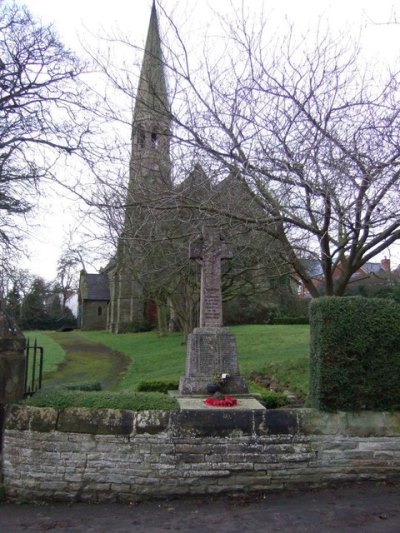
<point x="209" y="250"/>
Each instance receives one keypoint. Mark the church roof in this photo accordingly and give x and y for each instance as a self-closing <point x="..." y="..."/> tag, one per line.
<point x="97" y="287"/>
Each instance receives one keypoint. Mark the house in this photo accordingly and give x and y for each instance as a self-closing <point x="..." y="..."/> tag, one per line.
<point x="370" y="273"/>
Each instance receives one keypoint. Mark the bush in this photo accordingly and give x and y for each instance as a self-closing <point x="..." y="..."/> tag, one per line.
<point x="60" y="398"/>
<point x="88" y="386"/>
<point x="248" y="310"/>
<point x="138" y="326"/>
<point x="355" y="354"/>
<point x="270" y="399"/>
<point x="158" y="386"/>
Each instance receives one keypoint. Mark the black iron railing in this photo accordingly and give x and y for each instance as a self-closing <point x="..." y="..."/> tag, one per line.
<point x="33" y="368"/>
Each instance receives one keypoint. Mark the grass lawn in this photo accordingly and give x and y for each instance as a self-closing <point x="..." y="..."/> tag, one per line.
<point x="53" y="352"/>
<point x="281" y="351"/>
<point x="152" y="358"/>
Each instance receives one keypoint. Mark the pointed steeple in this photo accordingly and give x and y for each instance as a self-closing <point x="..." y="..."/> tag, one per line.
<point x="150" y="161"/>
<point x="152" y="95"/>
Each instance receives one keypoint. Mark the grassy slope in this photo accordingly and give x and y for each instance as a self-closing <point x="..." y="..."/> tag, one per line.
<point x="85" y="361"/>
<point x="152" y="357"/>
<point x="279" y="350"/>
<point x="53" y="352"/>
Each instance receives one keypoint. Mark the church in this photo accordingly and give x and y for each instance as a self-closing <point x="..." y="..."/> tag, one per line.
<point x="115" y="297"/>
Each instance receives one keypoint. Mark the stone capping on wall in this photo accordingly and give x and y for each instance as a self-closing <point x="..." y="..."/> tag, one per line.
<point x="204" y="423"/>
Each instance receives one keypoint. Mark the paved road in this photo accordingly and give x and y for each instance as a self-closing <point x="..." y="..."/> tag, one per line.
<point x="364" y="508"/>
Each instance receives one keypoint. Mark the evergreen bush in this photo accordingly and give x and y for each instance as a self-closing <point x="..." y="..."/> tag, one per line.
<point x="138" y="326"/>
<point x="158" y="386"/>
<point x="85" y="386"/>
<point x="354" y="354"/>
<point x="270" y="399"/>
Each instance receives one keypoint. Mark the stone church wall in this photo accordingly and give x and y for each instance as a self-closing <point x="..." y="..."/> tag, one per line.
<point x="99" y="455"/>
<point x="94" y="315"/>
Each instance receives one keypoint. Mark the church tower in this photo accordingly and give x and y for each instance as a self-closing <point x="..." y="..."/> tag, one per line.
<point x="149" y="179"/>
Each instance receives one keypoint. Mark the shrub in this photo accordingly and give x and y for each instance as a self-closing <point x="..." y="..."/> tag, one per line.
<point x="138" y="326"/>
<point x="61" y="398"/>
<point x="158" y="386"/>
<point x="354" y="354"/>
<point x="270" y="399"/>
<point x="88" y="386"/>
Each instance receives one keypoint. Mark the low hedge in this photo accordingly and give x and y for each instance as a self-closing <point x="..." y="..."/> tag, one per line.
<point x="61" y="398"/>
<point x="140" y="326"/>
<point x="270" y="399"/>
<point x="354" y="354"/>
<point x="85" y="386"/>
<point x="158" y="386"/>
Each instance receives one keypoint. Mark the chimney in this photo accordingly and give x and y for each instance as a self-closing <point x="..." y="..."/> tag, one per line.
<point x="385" y="264"/>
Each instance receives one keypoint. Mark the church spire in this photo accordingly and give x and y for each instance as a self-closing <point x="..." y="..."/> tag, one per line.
<point x="150" y="161"/>
<point x="152" y="90"/>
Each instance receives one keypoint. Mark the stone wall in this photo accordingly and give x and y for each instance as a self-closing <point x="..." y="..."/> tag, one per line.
<point x="98" y="455"/>
<point x="94" y="315"/>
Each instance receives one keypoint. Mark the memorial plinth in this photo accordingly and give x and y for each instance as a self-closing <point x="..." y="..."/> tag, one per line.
<point x="211" y="351"/>
<point x="211" y="348"/>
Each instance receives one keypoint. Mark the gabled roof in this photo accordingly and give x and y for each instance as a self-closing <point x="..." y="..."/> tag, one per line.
<point x="372" y="268"/>
<point x="97" y="287"/>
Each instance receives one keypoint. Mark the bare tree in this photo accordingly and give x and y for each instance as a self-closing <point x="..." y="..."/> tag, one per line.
<point x="42" y="112"/>
<point x="311" y="135"/>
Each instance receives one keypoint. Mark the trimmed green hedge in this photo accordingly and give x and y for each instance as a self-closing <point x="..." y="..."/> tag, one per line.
<point x="354" y="354"/>
<point x="270" y="399"/>
<point x="136" y="327"/>
<point x="61" y="398"/>
<point x="158" y="386"/>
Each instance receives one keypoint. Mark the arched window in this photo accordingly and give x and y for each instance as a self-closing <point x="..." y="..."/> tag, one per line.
<point x="99" y="311"/>
<point x="154" y="139"/>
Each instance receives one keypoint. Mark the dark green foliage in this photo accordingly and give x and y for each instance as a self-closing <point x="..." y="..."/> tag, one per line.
<point x="354" y="354"/>
<point x="88" y="386"/>
<point x="136" y="327"/>
<point x="61" y="398"/>
<point x="289" y="320"/>
<point x="13" y="302"/>
<point x="270" y="399"/>
<point x="41" y="309"/>
<point x="158" y="386"/>
<point x="248" y="310"/>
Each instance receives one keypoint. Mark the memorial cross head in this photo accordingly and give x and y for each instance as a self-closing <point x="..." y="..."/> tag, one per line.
<point x="209" y="250"/>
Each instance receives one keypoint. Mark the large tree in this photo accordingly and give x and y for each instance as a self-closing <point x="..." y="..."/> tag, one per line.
<point x="311" y="134"/>
<point x="305" y="128"/>
<point x="42" y="112"/>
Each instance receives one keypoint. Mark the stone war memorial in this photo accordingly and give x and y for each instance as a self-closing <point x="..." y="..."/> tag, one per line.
<point x="195" y="448"/>
<point x="211" y="348"/>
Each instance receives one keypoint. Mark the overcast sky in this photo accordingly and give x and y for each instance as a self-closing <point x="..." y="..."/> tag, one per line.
<point x="77" y="20"/>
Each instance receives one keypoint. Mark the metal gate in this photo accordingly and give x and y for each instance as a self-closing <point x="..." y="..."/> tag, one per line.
<point x="33" y="368"/>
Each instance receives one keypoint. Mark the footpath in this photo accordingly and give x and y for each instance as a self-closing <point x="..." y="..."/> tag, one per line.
<point x="365" y="507"/>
